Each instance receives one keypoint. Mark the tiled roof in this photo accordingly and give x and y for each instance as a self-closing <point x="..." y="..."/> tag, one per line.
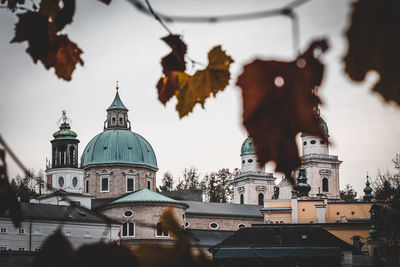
<point x="284" y="237"/>
<point x="223" y="209"/>
<point x="144" y="195"/>
<point x="48" y="212"/>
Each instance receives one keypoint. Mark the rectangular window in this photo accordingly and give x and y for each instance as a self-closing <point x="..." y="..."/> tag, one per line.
<point x="21" y="249"/>
<point x="87" y="186"/>
<point x="128" y="229"/>
<point x="68" y="233"/>
<point x="3" y="248"/>
<point x="21" y="231"/>
<point x="161" y="231"/>
<point x="36" y="231"/>
<point x="3" y="230"/>
<point x="130" y="185"/>
<point x="104" y="185"/>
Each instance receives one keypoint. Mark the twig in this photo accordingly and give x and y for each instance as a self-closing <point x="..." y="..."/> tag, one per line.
<point x="157" y="17"/>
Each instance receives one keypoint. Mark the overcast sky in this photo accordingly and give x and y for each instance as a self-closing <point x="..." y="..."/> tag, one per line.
<point x="121" y="43"/>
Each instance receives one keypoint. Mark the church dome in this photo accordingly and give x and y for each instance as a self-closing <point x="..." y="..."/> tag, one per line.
<point x="247" y="147"/>
<point x="119" y="146"/>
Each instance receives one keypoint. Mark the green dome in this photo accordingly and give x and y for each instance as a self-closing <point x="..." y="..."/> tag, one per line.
<point x="325" y="127"/>
<point x="65" y="132"/>
<point x="119" y="146"/>
<point x="247" y="147"/>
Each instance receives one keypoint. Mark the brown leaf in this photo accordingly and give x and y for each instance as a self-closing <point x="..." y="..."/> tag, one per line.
<point x="49" y="8"/>
<point x="197" y="88"/>
<point x="8" y="200"/>
<point x="63" y="55"/>
<point x="34" y="28"/>
<point x="374" y="41"/>
<point x="55" y="251"/>
<point x="169" y="221"/>
<point x="64" y="16"/>
<point x="174" y="61"/>
<point x="167" y="86"/>
<point x="278" y="103"/>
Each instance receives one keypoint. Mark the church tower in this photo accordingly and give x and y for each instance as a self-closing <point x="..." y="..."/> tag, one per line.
<point x="322" y="169"/>
<point x="253" y="185"/>
<point x="62" y="171"/>
<point x="118" y="161"/>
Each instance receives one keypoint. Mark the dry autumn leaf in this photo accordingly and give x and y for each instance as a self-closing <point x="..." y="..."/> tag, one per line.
<point x="374" y="41"/>
<point x="171" y="63"/>
<point x="197" y="88"/>
<point x="278" y="103"/>
<point x="63" y="55"/>
<point x="45" y="45"/>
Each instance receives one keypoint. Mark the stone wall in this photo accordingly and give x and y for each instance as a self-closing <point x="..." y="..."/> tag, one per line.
<point x="145" y="217"/>
<point x="117" y="175"/>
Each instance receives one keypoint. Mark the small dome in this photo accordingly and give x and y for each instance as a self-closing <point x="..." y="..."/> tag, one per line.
<point x="65" y="132"/>
<point x="325" y="127"/>
<point x="119" y="146"/>
<point x="247" y="147"/>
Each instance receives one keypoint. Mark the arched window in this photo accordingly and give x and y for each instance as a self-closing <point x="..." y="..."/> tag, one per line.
<point x="325" y="187"/>
<point x="161" y="231"/>
<point x="148" y="185"/>
<point x="241" y="199"/>
<point x="261" y="199"/>
<point x="72" y="155"/>
<point x="128" y="229"/>
<point x="121" y="120"/>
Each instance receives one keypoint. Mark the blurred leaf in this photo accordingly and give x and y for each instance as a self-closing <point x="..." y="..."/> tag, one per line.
<point x="374" y="41"/>
<point x="174" y="61"/>
<point x="171" y="63"/>
<point x="64" y="16"/>
<point x="278" y="103"/>
<point x="169" y="221"/>
<point x="8" y="200"/>
<point x="34" y="28"/>
<point x="55" y="251"/>
<point x="12" y="4"/>
<point x="197" y="88"/>
<point x="105" y="255"/>
<point x="49" y="8"/>
<point x="63" y="55"/>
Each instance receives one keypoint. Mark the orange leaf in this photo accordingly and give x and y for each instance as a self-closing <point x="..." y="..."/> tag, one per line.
<point x="278" y="103"/>
<point x="63" y="55"/>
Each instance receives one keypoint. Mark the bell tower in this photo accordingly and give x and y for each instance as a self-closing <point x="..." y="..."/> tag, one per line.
<point x="62" y="170"/>
<point x="253" y="185"/>
<point x="117" y="114"/>
<point x="322" y="168"/>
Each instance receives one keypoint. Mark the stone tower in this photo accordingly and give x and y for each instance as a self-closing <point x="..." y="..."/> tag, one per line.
<point x="62" y="171"/>
<point x="118" y="161"/>
<point x="253" y="185"/>
<point x="322" y="168"/>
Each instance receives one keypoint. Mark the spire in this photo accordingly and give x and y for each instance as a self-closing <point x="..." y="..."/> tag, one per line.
<point x="117" y="103"/>
<point x="367" y="191"/>
<point x="302" y="186"/>
<point x="65" y="129"/>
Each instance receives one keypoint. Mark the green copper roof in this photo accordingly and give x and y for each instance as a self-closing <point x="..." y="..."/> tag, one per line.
<point x="302" y="186"/>
<point x="117" y="103"/>
<point x="144" y="195"/>
<point x="367" y="191"/>
<point x="119" y="146"/>
<point x="247" y="147"/>
<point x="325" y="127"/>
<point x="65" y="132"/>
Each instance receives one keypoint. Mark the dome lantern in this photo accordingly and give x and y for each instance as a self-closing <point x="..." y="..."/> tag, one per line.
<point x="117" y="114"/>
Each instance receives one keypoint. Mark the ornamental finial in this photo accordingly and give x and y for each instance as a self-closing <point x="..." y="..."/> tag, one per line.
<point x="64" y="118"/>
<point x="117" y="86"/>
